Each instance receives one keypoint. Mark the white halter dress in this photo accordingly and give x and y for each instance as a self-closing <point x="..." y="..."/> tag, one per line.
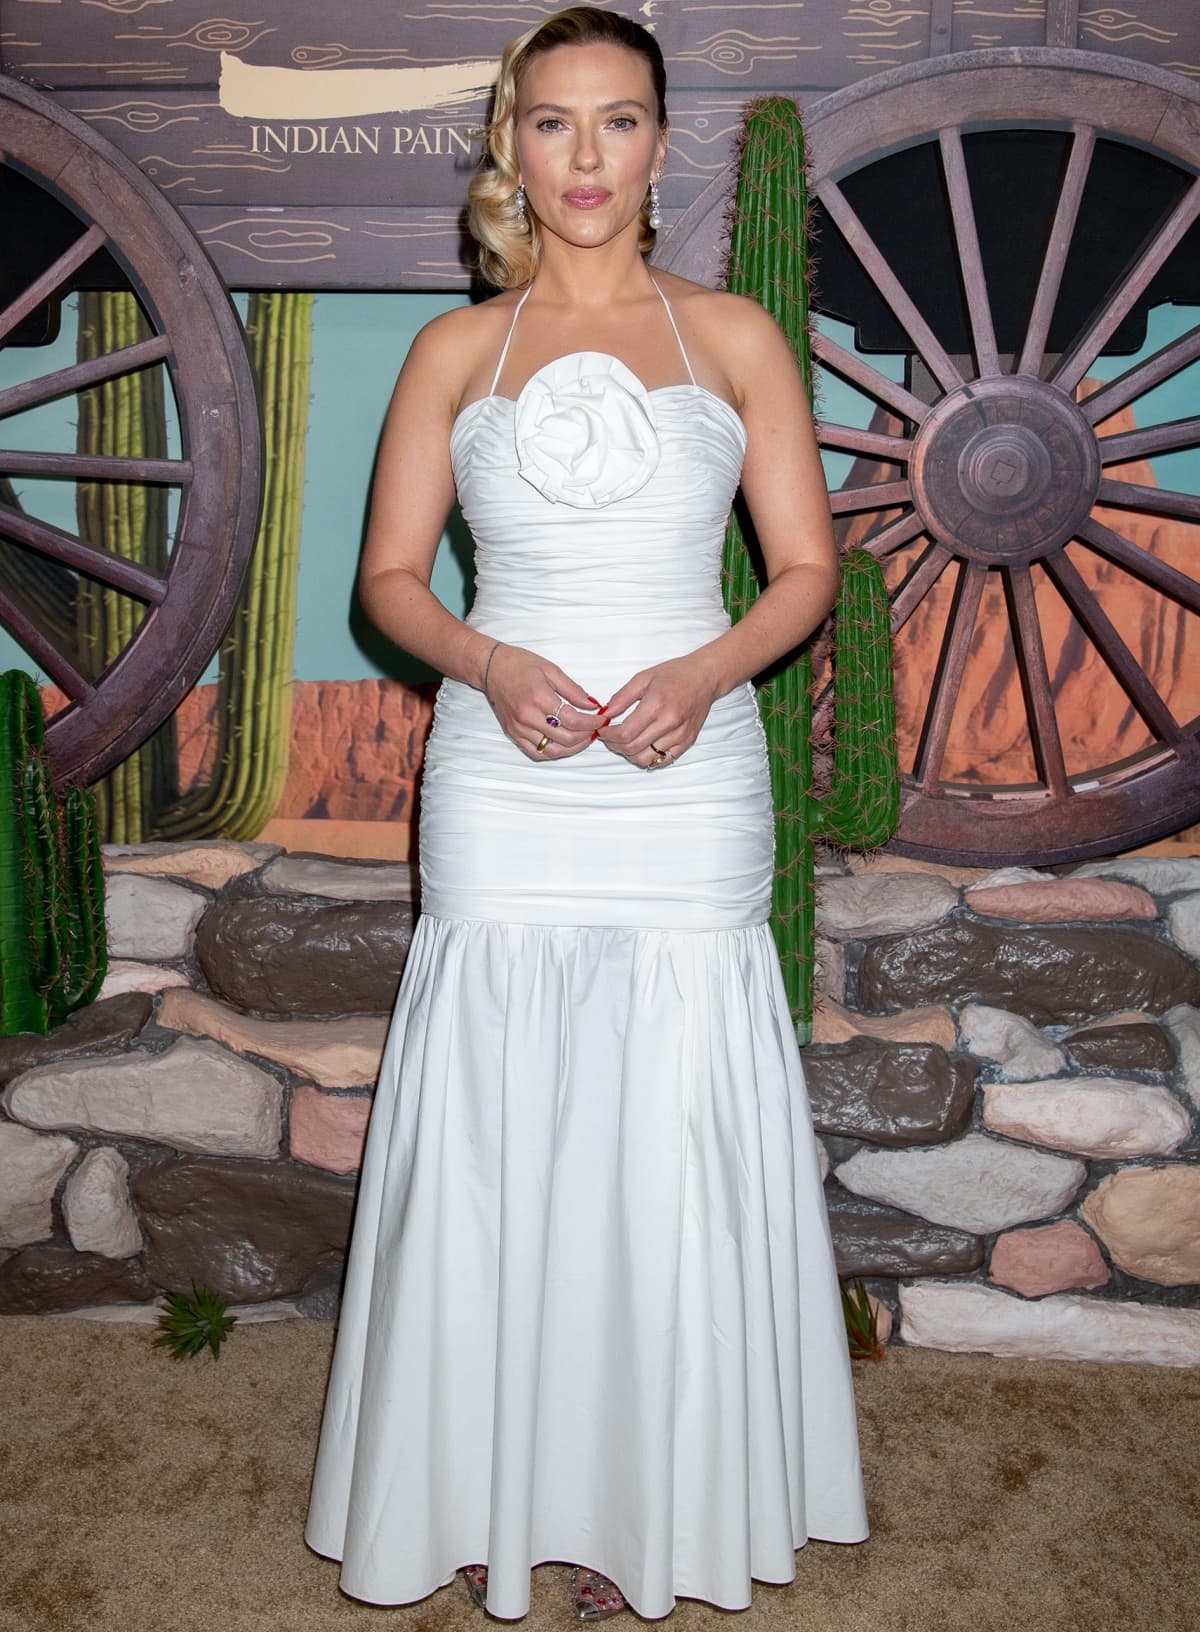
<point x="591" y="1312"/>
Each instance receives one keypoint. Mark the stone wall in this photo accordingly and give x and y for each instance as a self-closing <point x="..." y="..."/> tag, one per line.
<point x="1005" y="1077"/>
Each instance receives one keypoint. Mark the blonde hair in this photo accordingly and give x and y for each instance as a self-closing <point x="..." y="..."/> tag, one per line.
<point x="509" y="252"/>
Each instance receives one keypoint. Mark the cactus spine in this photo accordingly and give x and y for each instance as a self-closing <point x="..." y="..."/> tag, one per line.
<point x="124" y="416"/>
<point x="769" y="260"/>
<point x="254" y="695"/>
<point x="53" y="944"/>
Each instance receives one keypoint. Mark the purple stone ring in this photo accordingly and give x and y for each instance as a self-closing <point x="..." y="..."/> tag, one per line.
<point x="553" y="721"/>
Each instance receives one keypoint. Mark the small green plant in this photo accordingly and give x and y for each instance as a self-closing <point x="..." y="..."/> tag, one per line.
<point x="187" y="1324"/>
<point x="861" y="1330"/>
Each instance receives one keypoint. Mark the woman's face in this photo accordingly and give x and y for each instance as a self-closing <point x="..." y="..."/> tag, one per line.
<point x="588" y="139"/>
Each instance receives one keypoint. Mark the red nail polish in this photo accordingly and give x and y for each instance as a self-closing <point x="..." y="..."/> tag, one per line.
<point x="595" y="734"/>
<point x="592" y="699"/>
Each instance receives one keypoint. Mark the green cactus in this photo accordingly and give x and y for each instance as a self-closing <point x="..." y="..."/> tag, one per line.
<point x="769" y="260"/>
<point x="123" y="416"/>
<point x="254" y="691"/>
<point x="53" y="943"/>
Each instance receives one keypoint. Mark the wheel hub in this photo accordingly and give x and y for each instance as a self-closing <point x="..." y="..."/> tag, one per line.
<point x="1005" y="470"/>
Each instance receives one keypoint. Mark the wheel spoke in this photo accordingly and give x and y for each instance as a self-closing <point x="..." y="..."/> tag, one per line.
<point x="1035" y="679"/>
<point x="882" y="496"/>
<point x="1055" y="259"/>
<point x="1104" y="637"/>
<point x="103" y="565"/>
<point x="79" y="375"/>
<point x="966" y="236"/>
<point x="43" y="651"/>
<point x="895" y="534"/>
<point x="95" y="467"/>
<point x="895" y="449"/>
<point x="1135" y="382"/>
<point x="947" y="682"/>
<point x="918" y="583"/>
<point x="1144" y="444"/>
<point x="1141" y="563"/>
<point x="1159" y="501"/>
<point x="1077" y="362"/>
<point x="856" y="369"/>
<point x="42" y="288"/>
<point x="889" y="286"/>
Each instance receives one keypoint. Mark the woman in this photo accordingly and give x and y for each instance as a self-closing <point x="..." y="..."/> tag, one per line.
<point x="591" y="1312"/>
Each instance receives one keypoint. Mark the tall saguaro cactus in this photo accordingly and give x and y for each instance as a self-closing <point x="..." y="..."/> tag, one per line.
<point x="125" y="415"/>
<point x="769" y="260"/>
<point x="53" y="941"/>
<point x="254" y="691"/>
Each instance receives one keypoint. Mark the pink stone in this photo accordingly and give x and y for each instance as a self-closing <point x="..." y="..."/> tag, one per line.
<point x="1050" y="1258"/>
<point x="1055" y="900"/>
<point x="328" y="1130"/>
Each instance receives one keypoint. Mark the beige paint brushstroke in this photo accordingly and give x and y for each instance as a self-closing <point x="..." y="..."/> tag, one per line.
<point x="250" y="92"/>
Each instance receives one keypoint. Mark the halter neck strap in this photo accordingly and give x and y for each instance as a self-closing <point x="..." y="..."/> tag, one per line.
<point x="507" y="338"/>
<point x="682" y="349"/>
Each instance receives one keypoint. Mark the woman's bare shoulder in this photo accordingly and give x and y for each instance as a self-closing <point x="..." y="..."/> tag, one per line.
<point x="457" y="338"/>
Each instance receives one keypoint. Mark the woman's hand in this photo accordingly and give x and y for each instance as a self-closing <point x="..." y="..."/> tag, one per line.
<point x="526" y="690"/>
<point x="673" y="700"/>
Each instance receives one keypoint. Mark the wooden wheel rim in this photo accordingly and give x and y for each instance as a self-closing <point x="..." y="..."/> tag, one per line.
<point x="200" y="339"/>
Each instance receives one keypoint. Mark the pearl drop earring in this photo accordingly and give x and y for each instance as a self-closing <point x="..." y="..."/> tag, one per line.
<point x="521" y="202"/>
<point x="654" y="219"/>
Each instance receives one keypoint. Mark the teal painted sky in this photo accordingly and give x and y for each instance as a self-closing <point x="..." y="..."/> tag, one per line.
<point x="359" y="343"/>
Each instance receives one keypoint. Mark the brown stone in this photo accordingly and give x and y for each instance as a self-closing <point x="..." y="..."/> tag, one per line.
<point x="895" y="1243"/>
<point x="1149" y="1219"/>
<point x="1052" y="976"/>
<point x="298" y="956"/>
<point x="335" y="1053"/>
<point x="98" y="1028"/>
<point x="890" y="1093"/>
<point x="38" y="1279"/>
<point x="1142" y="1047"/>
<point x="250" y="1230"/>
<point x="832" y="1023"/>
<point x="1060" y="899"/>
<point x="1050" y="1258"/>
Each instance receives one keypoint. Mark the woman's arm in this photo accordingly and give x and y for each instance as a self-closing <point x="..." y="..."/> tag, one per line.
<point x="413" y="493"/>
<point x="784" y="487"/>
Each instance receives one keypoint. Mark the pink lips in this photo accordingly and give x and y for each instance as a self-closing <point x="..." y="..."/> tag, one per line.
<point x="587" y="198"/>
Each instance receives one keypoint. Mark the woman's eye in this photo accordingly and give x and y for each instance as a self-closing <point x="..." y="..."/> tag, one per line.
<point x="543" y="124"/>
<point x="625" y="121"/>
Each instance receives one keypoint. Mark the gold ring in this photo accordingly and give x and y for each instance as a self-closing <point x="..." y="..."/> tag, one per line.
<point x="541" y="747"/>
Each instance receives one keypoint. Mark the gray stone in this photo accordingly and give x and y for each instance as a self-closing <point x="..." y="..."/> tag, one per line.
<point x="851" y="908"/>
<point x="250" y="1230"/>
<point x="1137" y="1047"/>
<point x="1183" y="1023"/>
<point x="1051" y="976"/>
<point x="299" y="874"/>
<point x="1161" y="875"/>
<point x="130" y="975"/>
<point x="195" y="1096"/>
<point x="890" y="1243"/>
<point x="96" y="1206"/>
<point x="150" y="917"/>
<point x="31" y="1165"/>
<point x="1012" y="875"/>
<point x="829" y="974"/>
<point x="890" y="1093"/>
<point x="976" y="1183"/>
<point x="296" y="956"/>
<point x="1183" y="920"/>
<point x="105" y="1025"/>
<point x="974" y="1318"/>
<point x="1093" y="1116"/>
<point x="40" y="1279"/>
<point x="1019" y="1048"/>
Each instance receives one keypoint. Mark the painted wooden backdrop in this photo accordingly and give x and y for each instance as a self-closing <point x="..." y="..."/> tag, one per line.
<point x="318" y="145"/>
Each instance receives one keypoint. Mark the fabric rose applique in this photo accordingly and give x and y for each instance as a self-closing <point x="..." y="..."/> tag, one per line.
<point x="585" y="431"/>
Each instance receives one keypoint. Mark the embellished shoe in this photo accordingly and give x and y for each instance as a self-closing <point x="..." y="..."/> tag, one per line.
<point x="475" y="1575"/>
<point x="595" y="1595"/>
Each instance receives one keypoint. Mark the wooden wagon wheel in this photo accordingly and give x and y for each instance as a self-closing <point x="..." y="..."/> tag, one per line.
<point x="196" y="336"/>
<point x="999" y="468"/>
